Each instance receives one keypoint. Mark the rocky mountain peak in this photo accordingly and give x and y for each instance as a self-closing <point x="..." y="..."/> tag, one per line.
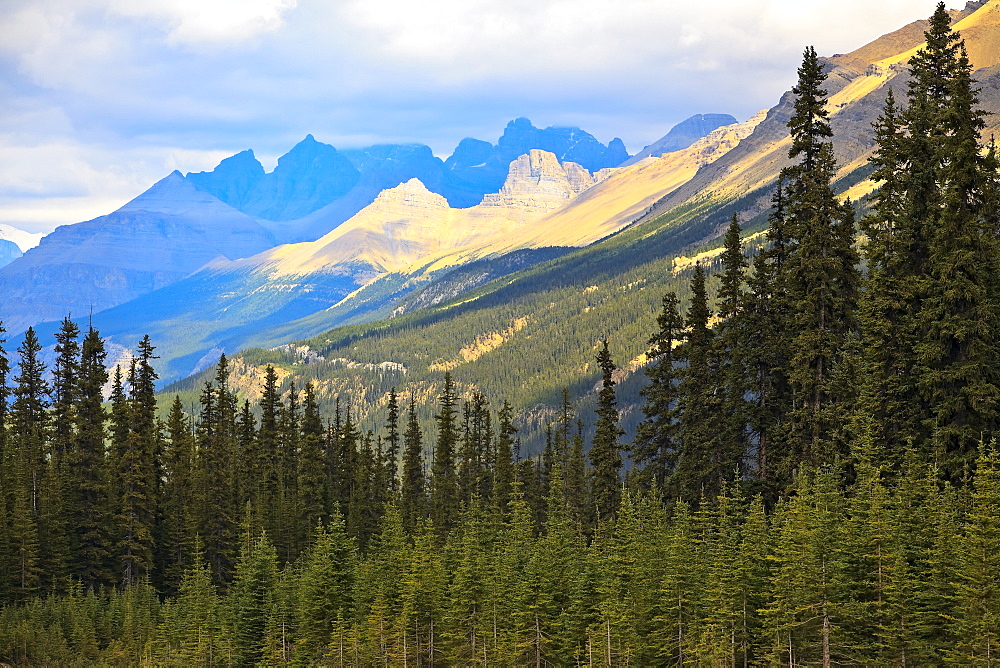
<point x="538" y="181"/>
<point x="412" y="194"/>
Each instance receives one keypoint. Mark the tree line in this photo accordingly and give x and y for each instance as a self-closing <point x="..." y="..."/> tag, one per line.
<point x="814" y="479"/>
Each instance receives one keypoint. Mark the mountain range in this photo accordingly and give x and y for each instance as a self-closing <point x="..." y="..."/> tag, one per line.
<point x="202" y="220"/>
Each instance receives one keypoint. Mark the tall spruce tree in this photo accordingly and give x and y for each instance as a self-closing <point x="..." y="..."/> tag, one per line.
<point x="139" y="470"/>
<point x="413" y="486"/>
<point x="822" y="273"/>
<point x="503" y="468"/>
<point x="178" y="497"/>
<point x="731" y="344"/>
<point x="960" y="337"/>
<point x="29" y="443"/>
<point x="605" y="449"/>
<point x="767" y="346"/>
<point x="703" y="459"/>
<point x="889" y="406"/>
<point x="89" y="494"/>
<point x="392" y="441"/>
<point x="4" y="395"/>
<point x="312" y="502"/>
<point x="655" y="447"/>
<point x="444" y="482"/>
<point x="65" y="380"/>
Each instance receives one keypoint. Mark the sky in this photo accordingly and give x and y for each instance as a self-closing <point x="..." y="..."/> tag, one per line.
<point x="101" y="98"/>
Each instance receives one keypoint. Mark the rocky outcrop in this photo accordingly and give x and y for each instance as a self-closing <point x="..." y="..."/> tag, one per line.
<point x="538" y="183"/>
<point x="477" y="167"/>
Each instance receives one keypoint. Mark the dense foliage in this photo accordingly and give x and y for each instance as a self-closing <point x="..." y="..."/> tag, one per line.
<point x="813" y="480"/>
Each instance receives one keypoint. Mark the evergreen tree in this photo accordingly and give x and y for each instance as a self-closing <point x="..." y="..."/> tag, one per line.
<point x="655" y="447"/>
<point x="958" y="309"/>
<point x="731" y="345"/>
<point x="889" y="303"/>
<point x="311" y="487"/>
<point x="268" y="449"/>
<point x="392" y="441"/>
<point x="823" y="278"/>
<point x="89" y="495"/>
<point x="54" y="526"/>
<point x="444" y="483"/>
<point x="253" y="597"/>
<point x="413" y="501"/>
<point x="6" y="475"/>
<point x="577" y="498"/>
<point x="503" y="469"/>
<point x="65" y="381"/>
<point x="978" y="570"/>
<point x="4" y="395"/>
<point x="326" y="584"/>
<point x="766" y="342"/>
<point x="704" y="460"/>
<point x="178" y="502"/>
<point x="29" y="443"/>
<point x="213" y="510"/>
<point x="139" y="471"/>
<point x="605" y="450"/>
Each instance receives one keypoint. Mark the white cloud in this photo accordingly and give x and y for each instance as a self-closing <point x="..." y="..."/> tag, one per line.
<point x="62" y="181"/>
<point x="211" y="21"/>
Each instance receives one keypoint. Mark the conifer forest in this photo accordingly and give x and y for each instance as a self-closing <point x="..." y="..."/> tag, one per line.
<point x="815" y="480"/>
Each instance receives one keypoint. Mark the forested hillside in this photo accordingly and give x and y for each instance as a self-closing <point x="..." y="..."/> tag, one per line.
<point x="814" y="477"/>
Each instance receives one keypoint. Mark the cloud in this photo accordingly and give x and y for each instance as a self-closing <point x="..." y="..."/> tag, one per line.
<point x="103" y="97"/>
<point x="209" y="21"/>
<point x="62" y="181"/>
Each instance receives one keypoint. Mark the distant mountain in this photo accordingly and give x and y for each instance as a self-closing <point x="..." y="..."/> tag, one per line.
<point x="24" y="240"/>
<point x="157" y="238"/>
<point x="315" y="187"/>
<point x="9" y="251"/>
<point x="409" y="240"/>
<point x="683" y="135"/>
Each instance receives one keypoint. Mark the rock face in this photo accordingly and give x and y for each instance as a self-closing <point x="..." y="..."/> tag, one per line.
<point x="154" y="240"/>
<point x="621" y="195"/>
<point x="9" y="251"/>
<point x="477" y="167"/>
<point x="537" y="183"/>
<point x="683" y="135"/>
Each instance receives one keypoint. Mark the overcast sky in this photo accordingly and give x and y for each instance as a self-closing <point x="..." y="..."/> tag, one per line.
<point x="101" y="98"/>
